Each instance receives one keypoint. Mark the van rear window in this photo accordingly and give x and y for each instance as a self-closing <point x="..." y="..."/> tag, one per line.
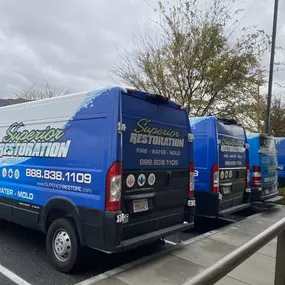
<point x="230" y="129"/>
<point x="267" y="145"/>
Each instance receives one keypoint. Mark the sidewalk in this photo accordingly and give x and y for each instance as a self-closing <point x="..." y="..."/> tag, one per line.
<point x="176" y="266"/>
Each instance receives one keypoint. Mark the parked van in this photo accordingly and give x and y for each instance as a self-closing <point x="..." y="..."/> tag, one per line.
<point x="263" y="168"/>
<point x="110" y="169"/>
<point x="221" y="166"/>
<point x="280" y="148"/>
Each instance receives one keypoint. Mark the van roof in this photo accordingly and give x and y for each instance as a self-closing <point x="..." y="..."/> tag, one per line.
<point x="62" y="98"/>
<point x="254" y="135"/>
<point x="226" y="120"/>
<point x="56" y="98"/>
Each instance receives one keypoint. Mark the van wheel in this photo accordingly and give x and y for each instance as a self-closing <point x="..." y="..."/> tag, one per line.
<point x="62" y="245"/>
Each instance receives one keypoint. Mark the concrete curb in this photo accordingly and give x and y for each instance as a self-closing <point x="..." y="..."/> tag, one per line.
<point x="142" y="260"/>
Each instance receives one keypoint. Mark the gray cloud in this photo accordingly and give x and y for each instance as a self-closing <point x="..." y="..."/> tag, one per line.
<point x="72" y="43"/>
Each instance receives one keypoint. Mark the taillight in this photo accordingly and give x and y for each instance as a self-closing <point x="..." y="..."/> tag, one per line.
<point x="158" y="98"/>
<point x="256" y="176"/>
<point x="130" y="91"/>
<point x="114" y="187"/>
<point x="247" y="181"/>
<point x="215" y="178"/>
<point x="191" y="180"/>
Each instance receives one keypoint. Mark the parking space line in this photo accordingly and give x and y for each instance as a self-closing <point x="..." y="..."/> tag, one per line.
<point x="12" y="276"/>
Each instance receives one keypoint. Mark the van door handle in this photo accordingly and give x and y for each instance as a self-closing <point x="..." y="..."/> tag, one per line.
<point x="168" y="177"/>
<point x="139" y="196"/>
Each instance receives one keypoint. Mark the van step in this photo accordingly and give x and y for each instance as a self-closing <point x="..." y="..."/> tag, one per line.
<point x="231" y="210"/>
<point x="274" y="199"/>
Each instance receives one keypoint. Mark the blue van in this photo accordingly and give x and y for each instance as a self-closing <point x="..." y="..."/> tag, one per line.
<point x="263" y="168"/>
<point x="110" y="169"/>
<point x="280" y="148"/>
<point x="221" y="166"/>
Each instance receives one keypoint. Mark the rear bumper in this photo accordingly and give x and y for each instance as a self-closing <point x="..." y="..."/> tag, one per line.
<point x="211" y="204"/>
<point x="234" y="209"/>
<point x="103" y="230"/>
<point x="258" y="196"/>
<point x="151" y="237"/>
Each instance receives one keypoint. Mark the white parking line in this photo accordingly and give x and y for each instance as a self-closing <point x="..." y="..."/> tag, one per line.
<point x="13" y="277"/>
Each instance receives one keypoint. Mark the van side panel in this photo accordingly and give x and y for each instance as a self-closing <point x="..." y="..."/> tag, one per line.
<point x="205" y="152"/>
<point x="205" y="157"/>
<point x="57" y="149"/>
<point x="253" y="150"/>
<point x="280" y="147"/>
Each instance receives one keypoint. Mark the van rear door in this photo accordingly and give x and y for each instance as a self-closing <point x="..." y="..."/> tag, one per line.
<point x="268" y="164"/>
<point x="232" y="162"/>
<point x="156" y="156"/>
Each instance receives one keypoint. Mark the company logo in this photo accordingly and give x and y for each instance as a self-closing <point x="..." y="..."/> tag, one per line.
<point x="20" y="142"/>
<point x="141" y="180"/>
<point x="232" y="142"/>
<point x="151" y="179"/>
<point x="232" y="145"/>
<point x="17" y="173"/>
<point x="131" y="180"/>
<point x="230" y="174"/>
<point x="10" y="173"/>
<point x="4" y="172"/>
<point x="144" y="133"/>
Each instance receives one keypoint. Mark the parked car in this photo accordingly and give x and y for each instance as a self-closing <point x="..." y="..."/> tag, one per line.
<point x="110" y="169"/>
<point x="263" y="168"/>
<point x="221" y="166"/>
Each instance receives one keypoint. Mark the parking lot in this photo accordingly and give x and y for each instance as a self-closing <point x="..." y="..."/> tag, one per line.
<point x="24" y="261"/>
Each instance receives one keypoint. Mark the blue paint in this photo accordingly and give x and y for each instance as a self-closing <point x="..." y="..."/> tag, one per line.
<point x="95" y="144"/>
<point x="263" y="154"/>
<point x="280" y="147"/>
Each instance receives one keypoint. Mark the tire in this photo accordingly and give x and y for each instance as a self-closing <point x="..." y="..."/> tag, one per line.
<point x="62" y="244"/>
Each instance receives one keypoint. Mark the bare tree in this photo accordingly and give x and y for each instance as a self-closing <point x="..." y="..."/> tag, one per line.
<point x="195" y="59"/>
<point x="37" y="92"/>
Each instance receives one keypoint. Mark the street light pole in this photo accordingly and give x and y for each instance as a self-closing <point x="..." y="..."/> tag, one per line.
<point x="267" y="125"/>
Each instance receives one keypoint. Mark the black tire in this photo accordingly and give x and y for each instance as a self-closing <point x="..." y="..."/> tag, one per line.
<point x="62" y="228"/>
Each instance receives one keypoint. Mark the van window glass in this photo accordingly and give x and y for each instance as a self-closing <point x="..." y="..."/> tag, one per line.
<point x="230" y="129"/>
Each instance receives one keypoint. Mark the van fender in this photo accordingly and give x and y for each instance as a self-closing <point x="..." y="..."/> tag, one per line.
<point x="65" y="205"/>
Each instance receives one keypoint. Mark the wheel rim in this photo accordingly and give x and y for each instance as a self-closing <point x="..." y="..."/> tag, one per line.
<point x="61" y="245"/>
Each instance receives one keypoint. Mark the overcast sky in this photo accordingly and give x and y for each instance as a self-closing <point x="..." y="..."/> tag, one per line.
<point x="72" y="44"/>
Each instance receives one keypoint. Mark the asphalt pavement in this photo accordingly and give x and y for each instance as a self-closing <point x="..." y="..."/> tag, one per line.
<point x="22" y="251"/>
<point x="5" y="281"/>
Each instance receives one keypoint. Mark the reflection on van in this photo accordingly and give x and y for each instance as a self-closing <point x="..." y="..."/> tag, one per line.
<point x="263" y="168"/>
<point x="221" y="166"/>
